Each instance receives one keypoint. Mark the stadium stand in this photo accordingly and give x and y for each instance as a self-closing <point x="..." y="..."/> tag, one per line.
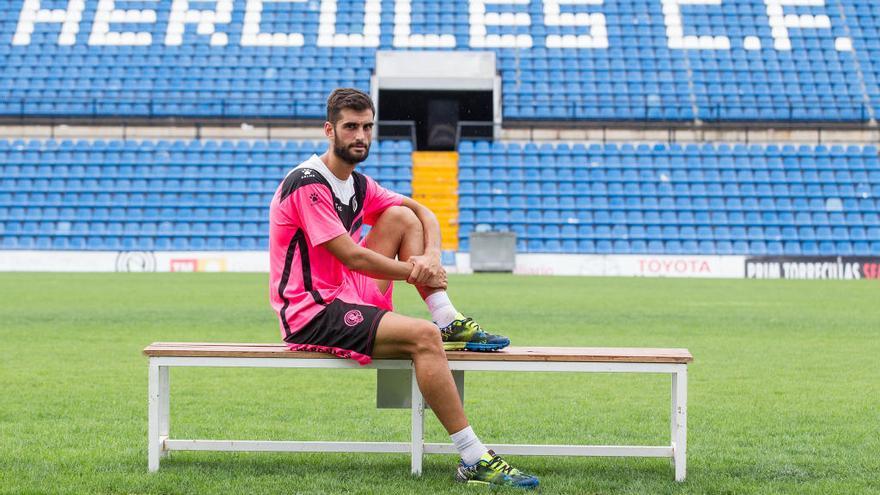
<point x="760" y="61"/>
<point x="666" y="60"/>
<point x="156" y="195"/>
<point x="673" y="199"/>
<point x="575" y="198"/>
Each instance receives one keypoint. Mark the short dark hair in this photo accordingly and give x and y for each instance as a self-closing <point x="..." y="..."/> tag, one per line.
<point x="350" y="98"/>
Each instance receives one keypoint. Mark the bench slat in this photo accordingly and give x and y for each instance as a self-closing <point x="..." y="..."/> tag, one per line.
<point x="554" y="354"/>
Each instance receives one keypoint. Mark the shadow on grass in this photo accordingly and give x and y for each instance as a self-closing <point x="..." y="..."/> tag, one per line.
<point x="391" y="472"/>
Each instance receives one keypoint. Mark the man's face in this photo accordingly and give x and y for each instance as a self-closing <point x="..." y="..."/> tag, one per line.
<point x="352" y="135"/>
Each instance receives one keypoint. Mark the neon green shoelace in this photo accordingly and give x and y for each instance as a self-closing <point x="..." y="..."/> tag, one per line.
<point x="499" y="464"/>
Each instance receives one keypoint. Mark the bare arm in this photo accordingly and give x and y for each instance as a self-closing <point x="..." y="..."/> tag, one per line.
<point x="363" y="260"/>
<point x="425" y="270"/>
<point x="372" y="264"/>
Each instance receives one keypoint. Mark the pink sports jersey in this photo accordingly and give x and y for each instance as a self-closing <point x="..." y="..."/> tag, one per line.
<point x="305" y="213"/>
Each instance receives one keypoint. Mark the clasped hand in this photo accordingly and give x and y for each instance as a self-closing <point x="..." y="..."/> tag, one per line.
<point x="427" y="272"/>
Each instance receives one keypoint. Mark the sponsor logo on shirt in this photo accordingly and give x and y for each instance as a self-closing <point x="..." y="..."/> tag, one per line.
<point x="353" y="317"/>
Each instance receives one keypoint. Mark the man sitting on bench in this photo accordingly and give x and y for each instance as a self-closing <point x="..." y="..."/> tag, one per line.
<point x="332" y="289"/>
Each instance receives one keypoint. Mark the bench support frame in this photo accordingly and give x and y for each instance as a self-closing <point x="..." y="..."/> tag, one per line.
<point x="159" y="421"/>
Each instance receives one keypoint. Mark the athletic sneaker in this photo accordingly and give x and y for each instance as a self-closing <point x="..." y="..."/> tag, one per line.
<point x="466" y="334"/>
<point x="491" y="469"/>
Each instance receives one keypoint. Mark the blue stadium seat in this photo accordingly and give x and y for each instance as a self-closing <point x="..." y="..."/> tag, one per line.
<point x="723" y="247"/>
<point x="673" y="247"/>
<point x="535" y="245"/>
<point x="621" y="247"/>
<point x="586" y="246"/>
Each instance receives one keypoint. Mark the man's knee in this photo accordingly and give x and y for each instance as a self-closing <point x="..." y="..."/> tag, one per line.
<point x="400" y="216"/>
<point x="426" y="338"/>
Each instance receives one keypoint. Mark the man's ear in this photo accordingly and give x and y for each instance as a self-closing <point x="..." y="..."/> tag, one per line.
<point x="328" y="129"/>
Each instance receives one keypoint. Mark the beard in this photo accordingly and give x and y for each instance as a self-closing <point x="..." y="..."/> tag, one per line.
<point x="347" y="155"/>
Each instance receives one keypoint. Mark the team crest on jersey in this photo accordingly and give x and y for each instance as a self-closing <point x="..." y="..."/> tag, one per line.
<point x="353" y="317"/>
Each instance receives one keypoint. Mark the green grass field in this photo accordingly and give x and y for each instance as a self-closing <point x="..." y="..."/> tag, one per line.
<point x="784" y="394"/>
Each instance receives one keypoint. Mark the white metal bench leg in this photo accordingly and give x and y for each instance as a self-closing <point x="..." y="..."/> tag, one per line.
<point x="164" y="408"/>
<point x="418" y="426"/>
<point x="153" y="413"/>
<point x="679" y="423"/>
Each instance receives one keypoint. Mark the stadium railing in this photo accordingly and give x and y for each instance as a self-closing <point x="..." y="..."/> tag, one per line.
<point x="536" y="108"/>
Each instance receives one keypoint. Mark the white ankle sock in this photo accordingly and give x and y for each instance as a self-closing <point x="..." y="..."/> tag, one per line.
<point x="442" y="311"/>
<point x="468" y="445"/>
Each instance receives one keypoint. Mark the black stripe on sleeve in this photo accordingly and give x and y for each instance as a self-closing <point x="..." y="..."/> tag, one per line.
<point x="285" y="276"/>
<point x="357" y="224"/>
<point x="297" y="241"/>
<point x="300" y="238"/>
<point x="301" y="177"/>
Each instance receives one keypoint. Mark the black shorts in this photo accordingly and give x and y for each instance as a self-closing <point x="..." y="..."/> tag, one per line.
<point x="343" y="329"/>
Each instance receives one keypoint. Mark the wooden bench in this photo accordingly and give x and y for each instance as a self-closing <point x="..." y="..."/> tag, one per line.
<point x="165" y="355"/>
